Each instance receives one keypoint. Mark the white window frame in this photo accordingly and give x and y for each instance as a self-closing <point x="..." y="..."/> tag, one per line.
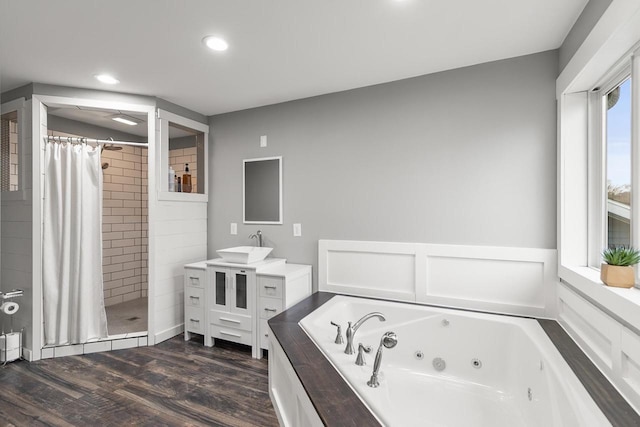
<point x="18" y="105"/>
<point x="614" y="39"/>
<point x="599" y="204"/>
<point x="164" y="117"/>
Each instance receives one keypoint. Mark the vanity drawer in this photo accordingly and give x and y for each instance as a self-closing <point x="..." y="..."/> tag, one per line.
<point x="194" y="320"/>
<point x="269" y="307"/>
<point x="270" y="286"/>
<point x="231" y="334"/>
<point x="194" y="297"/>
<point x="230" y="320"/>
<point x="194" y="277"/>
<point x="264" y="334"/>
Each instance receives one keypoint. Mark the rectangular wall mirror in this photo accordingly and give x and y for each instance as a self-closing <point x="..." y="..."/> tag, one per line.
<point x="262" y="190"/>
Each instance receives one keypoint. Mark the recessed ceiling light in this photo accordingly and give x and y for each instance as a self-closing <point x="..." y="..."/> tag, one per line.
<point x="127" y="120"/>
<point x="216" y="43"/>
<point x="106" y="78"/>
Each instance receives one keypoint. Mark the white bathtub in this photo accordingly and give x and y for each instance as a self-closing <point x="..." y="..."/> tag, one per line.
<point x="500" y="370"/>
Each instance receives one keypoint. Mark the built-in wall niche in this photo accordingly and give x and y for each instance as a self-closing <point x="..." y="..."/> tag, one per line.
<point x="12" y="150"/>
<point x="183" y="169"/>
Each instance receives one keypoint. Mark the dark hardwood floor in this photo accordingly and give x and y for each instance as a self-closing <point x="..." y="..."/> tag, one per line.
<point x="175" y="383"/>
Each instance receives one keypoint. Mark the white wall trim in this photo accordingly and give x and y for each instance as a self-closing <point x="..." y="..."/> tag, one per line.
<point x="508" y="280"/>
<point x="38" y="109"/>
<point x="27" y="354"/>
<point x="613" y="36"/>
<point x="168" y="333"/>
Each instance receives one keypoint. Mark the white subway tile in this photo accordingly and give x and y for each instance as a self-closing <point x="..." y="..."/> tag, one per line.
<point x="124" y="343"/>
<point x="113" y="300"/>
<point x="68" y="350"/>
<point x="96" y="347"/>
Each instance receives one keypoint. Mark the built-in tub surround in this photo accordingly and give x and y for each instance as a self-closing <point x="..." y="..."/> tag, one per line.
<point x="502" y="370"/>
<point x="497" y="351"/>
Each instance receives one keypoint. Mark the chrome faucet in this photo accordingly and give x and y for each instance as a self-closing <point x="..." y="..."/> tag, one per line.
<point x="258" y="237"/>
<point x="351" y="330"/>
<point x="388" y="340"/>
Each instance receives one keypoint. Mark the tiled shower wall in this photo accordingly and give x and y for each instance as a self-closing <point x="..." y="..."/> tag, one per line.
<point x="177" y="160"/>
<point x="125" y="225"/>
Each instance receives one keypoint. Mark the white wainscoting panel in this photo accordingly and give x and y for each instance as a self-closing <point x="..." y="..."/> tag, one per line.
<point x="611" y="345"/>
<point x="496" y="279"/>
<point x="388" y="270"/>
<point x="180" y="237"/>
<point x="630" y="363"/>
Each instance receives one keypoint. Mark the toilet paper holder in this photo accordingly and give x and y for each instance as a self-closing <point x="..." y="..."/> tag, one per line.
<point x="7" y="306"/>
<point x="15" y="293"/>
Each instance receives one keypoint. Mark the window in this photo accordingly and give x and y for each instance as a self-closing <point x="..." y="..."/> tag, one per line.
<point x="183" y="158"/>
<point x="614" y="166"/>
<point x="11" y="150"/>
<point x="617" y="142"/>
<point x="186" y="151"/>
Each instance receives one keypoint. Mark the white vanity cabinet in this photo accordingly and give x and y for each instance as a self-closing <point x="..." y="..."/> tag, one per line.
<point x="232" y="305"/>
<point x="233" y="302"/>
<point x="195" y="289"/>
<point x="279" y="287"/>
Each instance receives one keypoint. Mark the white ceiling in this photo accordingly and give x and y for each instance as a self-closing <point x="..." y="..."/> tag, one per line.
<point x="280" y="50"/>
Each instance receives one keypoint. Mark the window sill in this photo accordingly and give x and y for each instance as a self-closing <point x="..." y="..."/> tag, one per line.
<point x="619" y="303"/>
<point x="182" y="197"/>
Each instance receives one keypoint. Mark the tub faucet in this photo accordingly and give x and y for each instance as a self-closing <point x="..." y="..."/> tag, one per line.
<point x="258" y="237"/>
<point x="351" y="330"/>
<point x="389" y="340"/>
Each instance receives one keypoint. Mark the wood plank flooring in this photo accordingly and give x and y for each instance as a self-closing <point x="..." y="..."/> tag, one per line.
<point x="175" y="383"/>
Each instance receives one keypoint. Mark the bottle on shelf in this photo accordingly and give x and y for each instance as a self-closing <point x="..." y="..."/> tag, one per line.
<point x="186" y="179"/>
<point x="172" y="179"/>
<point x="178" y="185"/>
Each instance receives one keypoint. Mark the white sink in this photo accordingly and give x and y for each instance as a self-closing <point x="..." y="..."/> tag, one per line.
<point x="244" y="254"/>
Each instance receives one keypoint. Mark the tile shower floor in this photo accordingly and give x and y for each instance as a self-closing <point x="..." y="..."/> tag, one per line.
<point x="127" y="317"/>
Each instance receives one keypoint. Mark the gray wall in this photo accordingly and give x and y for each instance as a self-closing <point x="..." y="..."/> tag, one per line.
<point x="580" y="30"/>
<point x="466" y="156"/>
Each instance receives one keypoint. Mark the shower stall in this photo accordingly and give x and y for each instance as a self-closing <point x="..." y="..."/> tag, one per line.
<point x="122" y="169"/>
<point x="144" y="232"/>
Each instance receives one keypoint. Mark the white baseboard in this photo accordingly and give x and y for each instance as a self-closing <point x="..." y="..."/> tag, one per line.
<point x="27" y="354"/>
<point x="168" y="333"/>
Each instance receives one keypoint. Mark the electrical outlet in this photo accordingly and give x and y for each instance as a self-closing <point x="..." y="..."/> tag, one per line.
<point x="263" y="141"/>
<point x="297" y="230"/>
<point x="234" y="228"/>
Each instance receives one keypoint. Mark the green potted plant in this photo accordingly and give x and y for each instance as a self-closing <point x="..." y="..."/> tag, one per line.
<point x="618" y="270"/>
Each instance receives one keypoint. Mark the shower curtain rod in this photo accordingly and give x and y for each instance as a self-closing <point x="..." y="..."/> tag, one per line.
<point x="83" y="140"/>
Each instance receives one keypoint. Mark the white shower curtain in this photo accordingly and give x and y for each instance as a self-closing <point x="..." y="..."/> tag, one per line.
<point x="72" y="245"/>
